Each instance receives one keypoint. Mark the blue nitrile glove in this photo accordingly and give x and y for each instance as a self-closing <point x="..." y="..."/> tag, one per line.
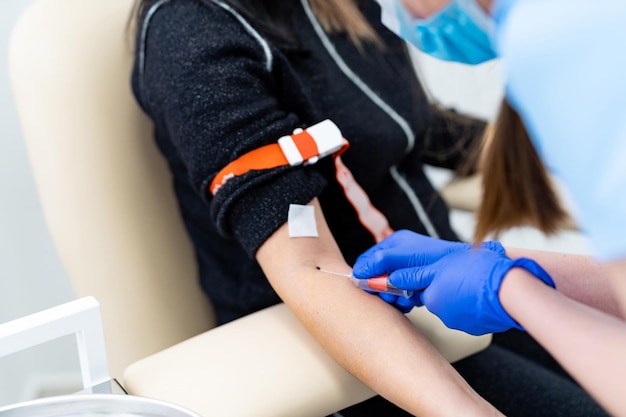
<point x="462" y="288"/>
<point x="406" y="249"/>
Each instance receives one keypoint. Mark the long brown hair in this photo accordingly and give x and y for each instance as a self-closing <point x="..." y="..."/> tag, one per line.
<point x="517" y="189"/>
<point x="344" y="16"/>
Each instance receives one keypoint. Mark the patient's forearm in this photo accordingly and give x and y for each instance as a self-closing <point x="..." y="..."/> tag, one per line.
<point x="366" y="336"/>
<point x="379" y="346"/>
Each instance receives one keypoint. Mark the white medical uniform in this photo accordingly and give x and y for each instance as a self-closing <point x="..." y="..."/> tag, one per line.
<point x="565" y="71"/>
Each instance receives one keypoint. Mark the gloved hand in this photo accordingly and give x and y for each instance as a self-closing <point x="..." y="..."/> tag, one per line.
<point x="406" y="249"/>
<point x="462" y="288"/>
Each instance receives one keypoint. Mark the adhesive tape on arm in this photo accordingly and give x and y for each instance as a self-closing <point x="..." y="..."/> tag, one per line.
<point x="301" y="221"/>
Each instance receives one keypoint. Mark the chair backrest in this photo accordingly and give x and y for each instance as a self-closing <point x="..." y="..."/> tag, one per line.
<point x="105" y="189"/>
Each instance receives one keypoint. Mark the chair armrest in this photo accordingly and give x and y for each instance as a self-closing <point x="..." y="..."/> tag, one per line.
<point x="463" y="193"/>
<point x="267" y="364"/>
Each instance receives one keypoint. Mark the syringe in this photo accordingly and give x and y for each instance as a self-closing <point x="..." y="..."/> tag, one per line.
<point x="378" y="284"/>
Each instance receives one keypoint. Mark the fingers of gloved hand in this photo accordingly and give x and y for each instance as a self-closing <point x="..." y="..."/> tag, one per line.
<point x="403" y="249"/>
<point x="389" y="242"/>
<point x="493" y="246"/>
<point x="388" y="298"/>
<point x="415" y="279"/>
<point x="406" y="304"/>
<point x="401" y="303"/>
<point x="388" y="260"/>
<point x="369" y="263"/>
<point x="456" y="315"/>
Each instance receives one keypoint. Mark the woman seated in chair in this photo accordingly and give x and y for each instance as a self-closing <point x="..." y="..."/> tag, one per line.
<point x="223" y="81"/>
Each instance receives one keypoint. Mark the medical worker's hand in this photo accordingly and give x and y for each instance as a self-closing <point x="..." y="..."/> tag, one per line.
<point x="462" y="288"/>
<point x="406" y="249"/>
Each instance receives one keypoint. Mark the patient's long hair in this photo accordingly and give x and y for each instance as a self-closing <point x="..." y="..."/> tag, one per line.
<point x="517" y="188"/>
<point x="273" y="18"/>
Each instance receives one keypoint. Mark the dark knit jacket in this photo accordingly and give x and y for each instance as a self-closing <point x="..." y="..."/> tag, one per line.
<point x="216" y="88"/>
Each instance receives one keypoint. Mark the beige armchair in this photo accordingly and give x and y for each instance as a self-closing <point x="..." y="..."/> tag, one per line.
<point x="108" y="201"/>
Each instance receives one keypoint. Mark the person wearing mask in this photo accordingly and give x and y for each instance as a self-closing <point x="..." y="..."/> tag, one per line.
<point x="564" y="103"/>
<point x="245" y="97"/>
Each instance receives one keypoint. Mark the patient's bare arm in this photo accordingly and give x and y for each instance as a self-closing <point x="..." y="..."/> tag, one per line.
<point x="577" y="276"/>
<point x="368" y="337"/>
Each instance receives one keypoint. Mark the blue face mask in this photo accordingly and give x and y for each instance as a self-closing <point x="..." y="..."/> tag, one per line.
<point x="459" y="32"/>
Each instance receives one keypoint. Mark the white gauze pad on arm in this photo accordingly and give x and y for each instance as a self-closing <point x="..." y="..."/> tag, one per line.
<point x="302" y="221"/>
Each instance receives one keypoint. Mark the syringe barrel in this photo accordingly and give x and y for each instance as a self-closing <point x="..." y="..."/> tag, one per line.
<point x="381" y="285"/>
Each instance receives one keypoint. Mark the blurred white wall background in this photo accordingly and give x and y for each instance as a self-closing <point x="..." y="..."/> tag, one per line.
<point x="32" y="278"/>
<point x="473" y="90"/>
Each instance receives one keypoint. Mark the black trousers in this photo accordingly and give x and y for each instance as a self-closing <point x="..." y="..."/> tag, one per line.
<point x="517" y="376"/>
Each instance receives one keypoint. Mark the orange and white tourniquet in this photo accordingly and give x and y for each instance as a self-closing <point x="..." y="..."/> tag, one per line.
<point x="307" y="147"/>
<point x="302" y="147"/>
